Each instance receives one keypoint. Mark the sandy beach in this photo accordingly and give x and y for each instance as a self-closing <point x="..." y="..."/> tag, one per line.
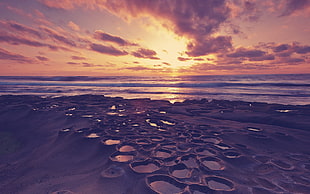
<point x="92" y="144"/>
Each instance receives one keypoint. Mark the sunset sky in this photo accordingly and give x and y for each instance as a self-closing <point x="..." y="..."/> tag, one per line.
<point x="154" y="37"/>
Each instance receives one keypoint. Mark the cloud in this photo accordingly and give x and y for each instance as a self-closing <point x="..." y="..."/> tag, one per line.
<point x="302" y="49"/>
<point x="247" y="10"/>
<point x="251" y="10"/>
<point x="16" y="40"/>
<point x="83" y="64"/>
<point x="282" y="47"/>
<point x="78" y="58"/>
<point x="73" y="26"/>
<point x="72" y="63"/>
<point x="183" y="58"/>
<point x="39" y="13"/>
<point x="109" y="50"/>
<point x="293" y="6"/>
<point x="294" y="60"/>
<point x="264" y="57"/>
<point x="8" y="38"/>
<point x="18" y="11"/>
<point x="200" y="59"/>
<point x="209" y="45"/>
<point x="288" y="49"/>
<point x="41" y="58"/>
<point x="145" y="53"/>
<point x="186" y="16"/>
<point x="196" y="20"/>
<point x="143" y="68"/>
<point x="56" y="36"/>
<point x="68" y="4"/>
<point x="183" y="17"/>
<point x="100" y="35"/>
<point x="42" y="36"/>
<point x="269" y="57"/>
<point x="225" y="67"/>
<point x="139" y="68"/>
<point x="243" y="52"/>
<point x="6" y="55"/>
<point x="165" y="63"/>
<point x="20" y="28"/>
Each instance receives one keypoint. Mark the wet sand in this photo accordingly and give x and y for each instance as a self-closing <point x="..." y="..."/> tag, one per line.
<point x="95" y="144"/>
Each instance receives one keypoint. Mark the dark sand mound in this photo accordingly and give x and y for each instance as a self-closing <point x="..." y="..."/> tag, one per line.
<point x="95" y="144"/>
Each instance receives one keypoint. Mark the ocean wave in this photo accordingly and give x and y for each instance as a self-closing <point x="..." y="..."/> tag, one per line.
<point x="290" y="89"/>
<point x="197" y="78"/>
<point x="131" y="90"/>
<point x="164" y="85"/>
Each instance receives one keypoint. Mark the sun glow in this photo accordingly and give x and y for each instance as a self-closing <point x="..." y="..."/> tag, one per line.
<point x="167" y="44"/>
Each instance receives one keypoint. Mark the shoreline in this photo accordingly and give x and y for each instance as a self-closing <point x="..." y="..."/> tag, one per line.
<point x="172" y="101"/>
<point x="98" y="144"/>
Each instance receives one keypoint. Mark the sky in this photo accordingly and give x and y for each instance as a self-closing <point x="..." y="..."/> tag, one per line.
<point x="154" y="37"/>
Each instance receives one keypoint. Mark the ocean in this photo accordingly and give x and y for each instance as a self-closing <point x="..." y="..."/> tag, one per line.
<point x="293" y="89"/>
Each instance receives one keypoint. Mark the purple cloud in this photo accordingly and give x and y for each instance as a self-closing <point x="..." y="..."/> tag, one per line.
<point x="16" y="27"/>
<point x="18" y="40"/>
<point x="139" y="68"/>
<point x="6" y="55"/>
<point x="200" y="59"/>
<point x="88" y="64"/>
<point x="288" y="49"/>
<point x="56" y="36"/>
<point x="263" y="58"/>
<point x="250" y="11"/>
<point x="210" y="45"/>
<point x="282" y="47"/>
<point x="294" y="60"/>
<point x="78" y="58"/>
<point x="14" y="40"/>
<point x="196" y="20"/>
<point x="145" y="53"/>
<point x="242" y="52"/>
<point x="293" y="6"/>
<point x="110" y="38"/>
<point x="302" y="49"/>
<point x="83" y="64"/>
<point x="165" y="63"/>
<point x="72" y="63"/>
<point x="109" y="50"/>
<point x="41" y="58"/>
<point x="183" y="58"/>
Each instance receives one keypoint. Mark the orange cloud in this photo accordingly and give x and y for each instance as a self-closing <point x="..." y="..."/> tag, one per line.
<point x="73" y="26"/>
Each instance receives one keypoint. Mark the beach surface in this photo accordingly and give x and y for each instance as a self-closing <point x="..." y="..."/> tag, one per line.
<point x="94" y="144"/>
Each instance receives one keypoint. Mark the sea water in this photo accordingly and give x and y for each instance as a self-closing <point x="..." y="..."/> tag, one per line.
<point x="291" y="89"/>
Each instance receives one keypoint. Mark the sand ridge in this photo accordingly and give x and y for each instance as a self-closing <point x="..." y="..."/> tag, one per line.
<point x="97" y="144"/>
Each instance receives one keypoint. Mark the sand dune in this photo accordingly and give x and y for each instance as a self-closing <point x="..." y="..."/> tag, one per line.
<point x="95" y="144"/>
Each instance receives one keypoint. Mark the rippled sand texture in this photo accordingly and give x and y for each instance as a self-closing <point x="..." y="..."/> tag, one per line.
<point x="96" y="144"/>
